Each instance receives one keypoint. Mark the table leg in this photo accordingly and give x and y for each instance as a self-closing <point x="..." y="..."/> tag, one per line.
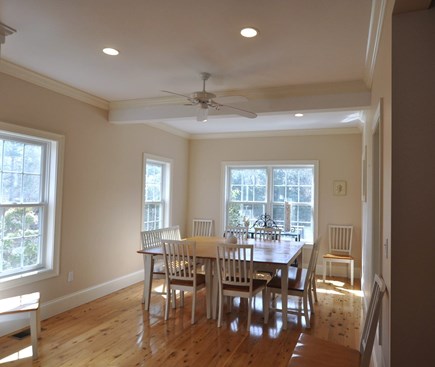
<point x="284" y="294"/>
<point x="35" y="325"/>
<point x="215" y="289"/>
<point x="148" y="262"/>
<point x="208" y="287"/>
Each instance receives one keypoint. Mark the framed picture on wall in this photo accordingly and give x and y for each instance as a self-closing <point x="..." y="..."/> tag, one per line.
<point x="340" y="188"/>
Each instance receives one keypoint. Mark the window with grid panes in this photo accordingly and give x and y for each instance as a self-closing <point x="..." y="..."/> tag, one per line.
<point x="255" y="190"/>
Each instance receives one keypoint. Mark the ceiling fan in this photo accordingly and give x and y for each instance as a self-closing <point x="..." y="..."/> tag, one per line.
<point x="204" y="100"/>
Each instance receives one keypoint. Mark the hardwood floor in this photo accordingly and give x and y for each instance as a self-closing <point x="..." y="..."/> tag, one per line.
<point x="116" y="331"/>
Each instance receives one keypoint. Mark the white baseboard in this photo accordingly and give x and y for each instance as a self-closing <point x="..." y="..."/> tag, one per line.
<point x="12" y="323"/>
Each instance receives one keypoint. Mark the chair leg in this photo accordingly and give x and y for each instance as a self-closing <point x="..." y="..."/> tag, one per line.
<point x="174" y="298"/>
<point x="315" y="289"/>
<point x="168" y="300"/>
<point x="193" y="306"/>
<point x="310" y="300"/>
<point x="266" y="300"/>
<point x="306" y="312"/>
<point x="351" y="273"/>
<point x="324" y="270"/>
<point x="181" y="298"/>
<point x="249" y="312"/>
<point x="221" y="296"/>
<point x="34" y="331"/>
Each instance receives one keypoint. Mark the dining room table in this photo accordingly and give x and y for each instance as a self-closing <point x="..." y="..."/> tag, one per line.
<point x="268" y="255"/>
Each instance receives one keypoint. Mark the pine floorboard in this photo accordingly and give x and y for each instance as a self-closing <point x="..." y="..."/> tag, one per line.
<point x="115" y="330"/>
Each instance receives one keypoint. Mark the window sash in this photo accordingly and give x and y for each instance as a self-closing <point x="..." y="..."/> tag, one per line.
<point x="44" y="203"/>
<point x="303" y="210"/>
<point x="156" y="191"/>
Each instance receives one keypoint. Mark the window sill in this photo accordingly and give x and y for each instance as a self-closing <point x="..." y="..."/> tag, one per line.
<point x="27" y="278"/>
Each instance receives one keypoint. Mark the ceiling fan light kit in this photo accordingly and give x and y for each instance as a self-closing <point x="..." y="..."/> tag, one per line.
<point x="204" y="100"/>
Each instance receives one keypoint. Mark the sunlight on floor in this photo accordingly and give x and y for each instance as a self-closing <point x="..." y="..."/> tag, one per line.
<point x="353" y="291"/>
<point x="335" y="283"/>
<point x="21" y="354"/>
<point x="328" y="291"/>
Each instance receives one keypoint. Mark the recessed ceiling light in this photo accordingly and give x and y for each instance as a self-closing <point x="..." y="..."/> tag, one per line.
<point x="249" y="32"/>
<point x="299" y="114"/>
<point x="110" y="51"/>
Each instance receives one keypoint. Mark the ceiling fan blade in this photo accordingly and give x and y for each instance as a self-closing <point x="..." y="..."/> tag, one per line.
<point x="191" y="100"/>
<point x="230" y="99"/>
<point x="239" y="111"/>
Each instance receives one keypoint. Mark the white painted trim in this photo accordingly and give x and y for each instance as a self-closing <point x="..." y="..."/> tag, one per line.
<point x="11" y="323"/>
<point x="51" y="84"/>
<point x="269" y="134"/>
<point x="375" y="29"/>
<point x="53" y="217"/>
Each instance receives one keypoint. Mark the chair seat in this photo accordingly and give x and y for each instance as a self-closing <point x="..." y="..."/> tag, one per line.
<point x="296" y="279"/>
<point x="200" y="279"/>
<point x="256" y="284"/>
<point x="337" y="257"/>
<point x="312" y="351"/>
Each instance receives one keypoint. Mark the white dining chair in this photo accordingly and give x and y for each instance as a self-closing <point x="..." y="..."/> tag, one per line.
<point x="235" y="268"/>
<point x="181" y="273"/>
<point x="240" y="232"/>
<point x="202" y="227"/>
<point x="152" y="239"/>
<point x="267" y="233"/>
<point x="299" y="285"/>
<point x="340" y="249"/>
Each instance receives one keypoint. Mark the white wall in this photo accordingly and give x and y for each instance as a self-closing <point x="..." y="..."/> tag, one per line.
<point x="339" y="158"/>
<point x="101" y="205"/>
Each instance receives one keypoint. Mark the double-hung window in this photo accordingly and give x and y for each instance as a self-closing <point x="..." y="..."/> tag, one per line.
<point x="30" y="163"/>
<point x="286" y="193"/>
<point x="156" y="204"/>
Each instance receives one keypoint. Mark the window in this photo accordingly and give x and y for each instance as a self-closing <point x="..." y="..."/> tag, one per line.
<point x="29" y="204"/>
<point x="156" y="193"/>
<point x="286" y="192"/>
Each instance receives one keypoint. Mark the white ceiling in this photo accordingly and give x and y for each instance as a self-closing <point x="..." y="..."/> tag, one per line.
<point x="310" y="56"/>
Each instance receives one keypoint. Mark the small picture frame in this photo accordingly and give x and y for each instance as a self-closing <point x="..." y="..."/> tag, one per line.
<point x="340" y="188"/>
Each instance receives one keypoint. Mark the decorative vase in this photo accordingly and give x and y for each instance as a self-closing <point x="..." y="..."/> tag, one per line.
<point x="232" y="239"/>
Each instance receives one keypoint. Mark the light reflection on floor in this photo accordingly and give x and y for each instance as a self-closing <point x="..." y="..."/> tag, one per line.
<point x="21" y="354"/>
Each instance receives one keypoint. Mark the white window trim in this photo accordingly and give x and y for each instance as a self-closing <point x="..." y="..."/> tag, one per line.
<point x="315" y="164"/>
<point x="54" y="200"/>
<point x="168" y="177"/>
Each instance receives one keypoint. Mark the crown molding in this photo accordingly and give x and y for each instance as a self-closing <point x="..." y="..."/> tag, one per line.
<point x="27" y="75"/>
<point x="277" y="133"/>
<point x="375" y="29"/>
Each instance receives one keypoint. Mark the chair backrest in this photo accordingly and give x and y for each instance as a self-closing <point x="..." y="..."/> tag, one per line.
<point x="237" y="231"/>
<point x="154" y="237"/>
<point x="180" y="259"/>
<point x="202" y="227"/>
<point x="340" y="239"/>
<point x="171" y="233"/>
<point x="312" y="264"/>
<point x="371" y="321"/>
<point x="268" y="233"/>
<point x="313" y="259"/>
<point x="235" y="264"/>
